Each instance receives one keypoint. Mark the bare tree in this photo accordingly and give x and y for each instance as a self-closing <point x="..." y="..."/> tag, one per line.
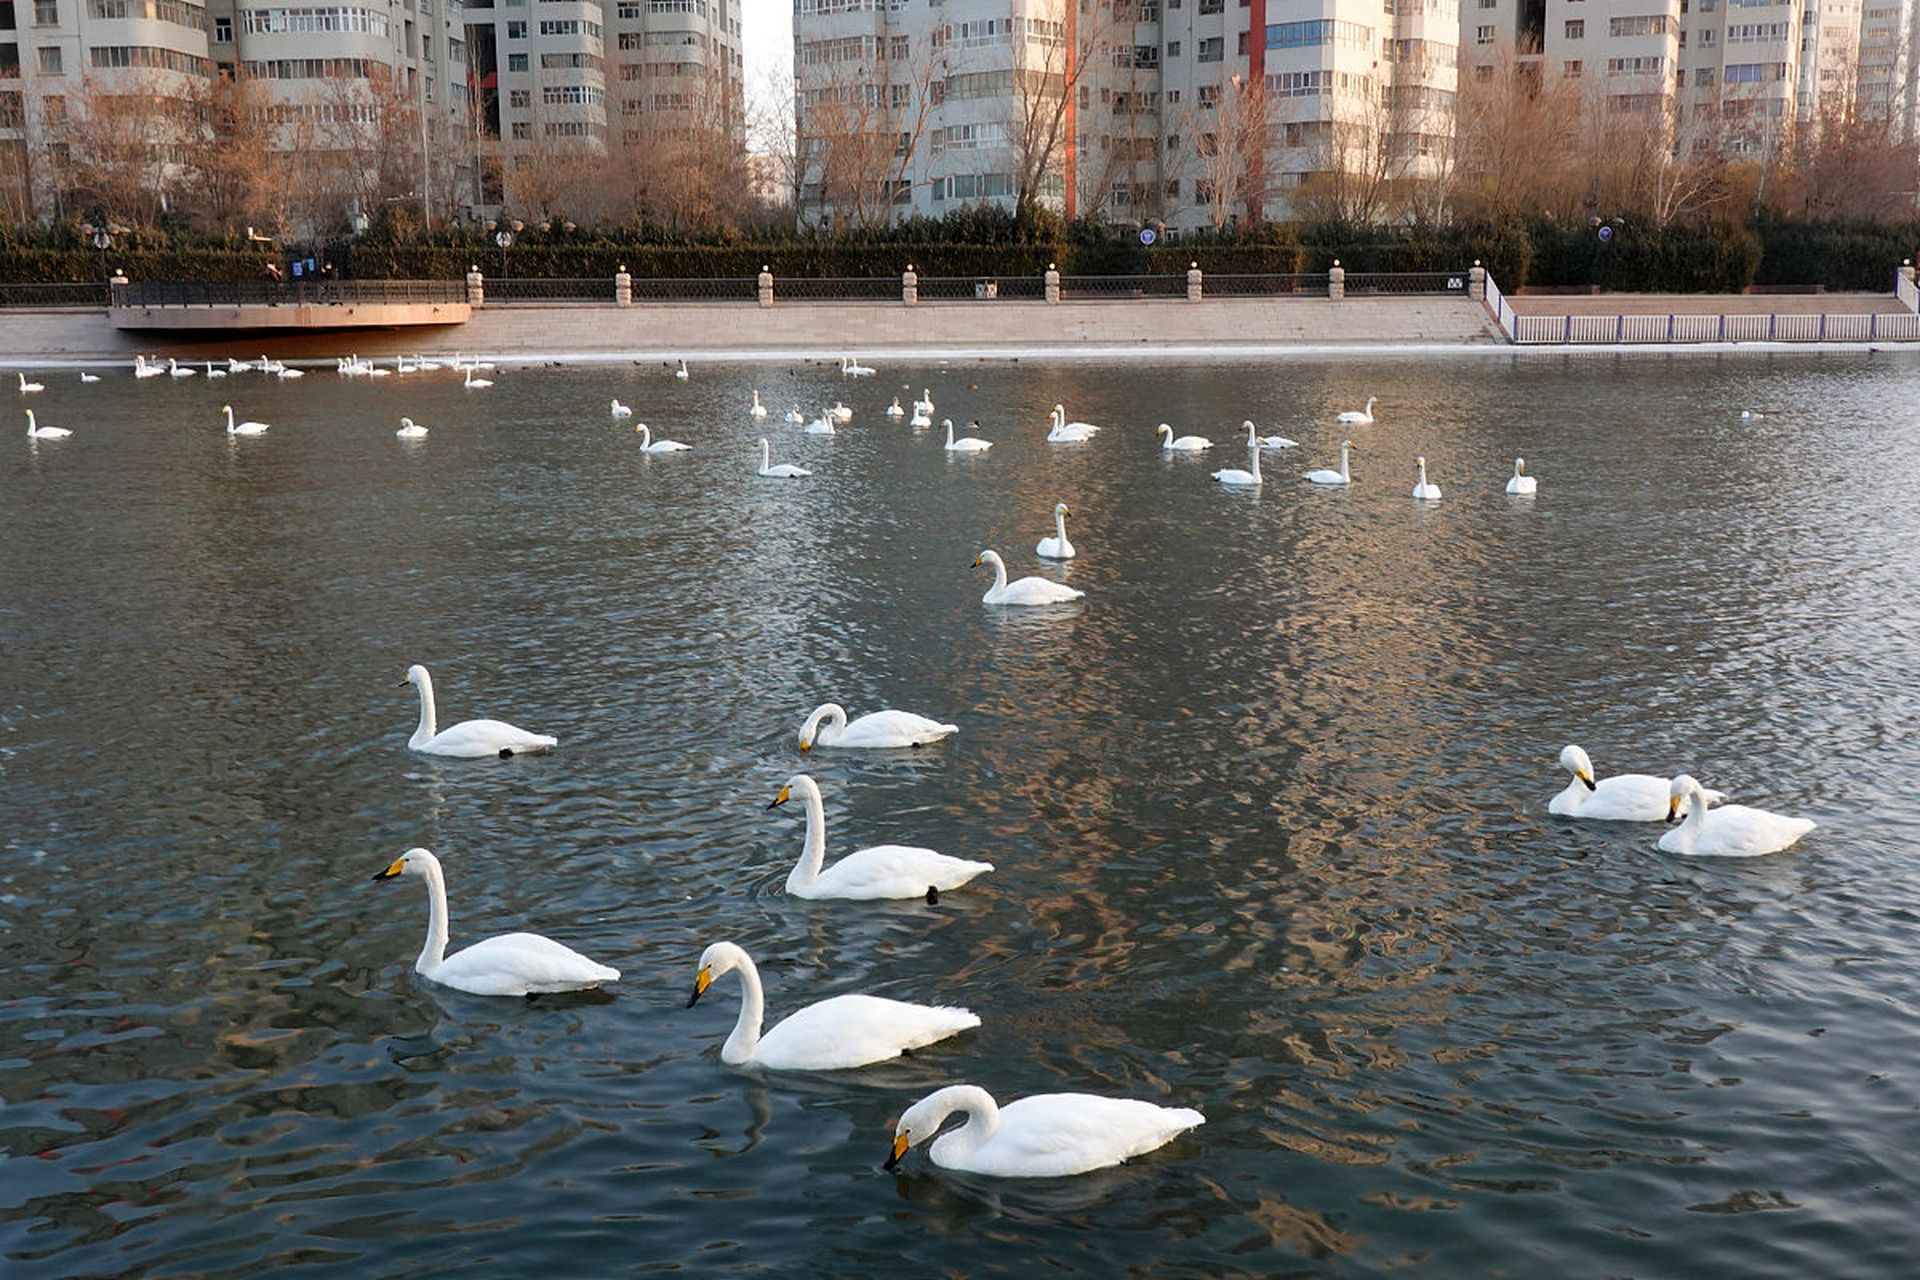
<point x="1226" y="145"/>
<point x="684" y="167"/>
<point x="115" y="143"/>
<point x="861" y="126"/>
<point x="1046" y="89"/>
<point x="231" y="180"/>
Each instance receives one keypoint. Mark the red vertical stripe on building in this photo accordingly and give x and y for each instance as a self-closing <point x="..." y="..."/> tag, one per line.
<point x="1071" y="165"/>
<point x="1257" y="81"/>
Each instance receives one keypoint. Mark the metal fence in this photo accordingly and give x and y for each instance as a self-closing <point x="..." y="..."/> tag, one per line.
<point x="982" y="288"/>
<point x="92" y="294"/>
<point x="837" y="288"/>
<point x="1406" y="282"/>
<point x="1676" y="328"/>
<point x="233" y="293"/>
<point x="1084" y="288"/>
<point x="734" y="289"/>
<point x="1313" y="283"/>
<point x="501" y="289"/>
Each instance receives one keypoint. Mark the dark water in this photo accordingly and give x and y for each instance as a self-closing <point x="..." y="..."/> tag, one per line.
<point x="1269" y="813"/>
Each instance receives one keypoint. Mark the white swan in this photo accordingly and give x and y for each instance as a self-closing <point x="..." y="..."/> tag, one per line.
<point x="213" y="372"/>
<point x="242" y="428"/>
<point x="822" y="425"/>
<point x="854" y="369"/>
<point x="828" y="727"/>
<point x="681" y="372"/>
<point x="1057" y="547"/>
<point x="1625" y="797"/>
<point x="511" y="964"/>
<point x="881" y="871"/>
<point x="1731" y="831"/>
<point x="473" y="383"/>
<point x="840" y="413"/>
<point x="470" y="739"/>
<point x="1027" y="591"/>
<point x="237" y="366"/>
<point x="925" y="403"/>
<point x="1361" y="416"/>
<point x="1060" y="431"/>
<point x="141" y="369"/>
<point x="616" y="410"/>
<point x="784" y="471"/>
<point x="404" y="364"/>
<point x="410" y="430"/>
<point x="1521" y="483"/>
<point x="423" y="365"/>
<point x="894" y="410"/>
<point x="286" y="371"/>
<point x="649" y="445"/>
<point x="27" y="388"/>
<point x="1342" y="476"/>
<point x="37" y="432"/>
<point x="1259" y="441"/>
<point x="919" y="419"/>
<point x="265" y="365"/>
<point x="965" y="444"/>
<point x="1047" y="1135"/>
<point x="177" y="370"/>
<point x="757" y="410"/>
<point x="1169" y="443"/>
<point x="1422" y="490"/>
<point x="1235" y="477"/>
<point x="832" y="1035"/>
<point x="794" y="416"/>
<point x="89" y="377"/>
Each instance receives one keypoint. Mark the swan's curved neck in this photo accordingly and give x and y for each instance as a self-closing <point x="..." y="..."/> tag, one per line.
<point x="983" y="1118"/>
<point x="833" y="721"/>
<point x="753" y="1006"/>
<point x="999" y="573"/>
<point x="1343" y="463"/>
<point x="435" y="949"/>
<point x="646" y="436"/>
<point x="1253" y="454"/>
<point x="813" y="858"/>
<point x="1423" y="475"/>
<point x="766" y="455"/>
<point x="949" y="431"/>
<point x="427" y="727"/>
<point x="1696" y="820"/>
<point x="1060" y="525"/>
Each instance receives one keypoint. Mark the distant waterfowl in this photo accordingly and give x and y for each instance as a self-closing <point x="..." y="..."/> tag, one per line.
<point x="1361" y="416"/>
<point x="794" y="416"/>
<point x="965" y="444"/>
<point x="1236" y="478"/>
<point x="472" y="383"/>
<point x="28" y="388"/>
<point x="1730" y="831"/>
<point x="1025" y="591"/>
<point x="681" y="372"/>
<point x="877" y="730"/>
<point x="1521" y="483"/>
<point x="831" y="1035"/>
<point x="512" y="964"/>
<point x="1259" y="441"/>
<point x="894" y="410"/>
<point x="287" y="371"/>
<point x="470" y="739"/>
<point x="89" y="377"/>
<point x="1625" y="797"/>
<point x="410" y="430"/>
<point x="616" y="410"/>
<point x="820" y="426"/>
<point x="213" y="372"/>
<point x="242" y="428"/>
<point x="919" y="419"/>
<point x="177" y="370"/>
<point x="141" y="369"/>
<point x="854" y="369"/>
<point x="784" y="471"/>
<point x="237" y="366"/>
<point x="879" y="872"/>
<point x="1057" y="547"/>
<point x="1747" y="415"/>
<point x="840" y="413"/>
<point x="757" y="410"/>
<point x="649" y="445"/>
<point x="1422" y="490"/>
<point x="1170" y="443"/>
<point x="1047" y="1135"/>
<point x="1060" y="431"/>
<point x="37" y="432"/>
<point x="1340" y="477"/>
<point x="925" y="403"/>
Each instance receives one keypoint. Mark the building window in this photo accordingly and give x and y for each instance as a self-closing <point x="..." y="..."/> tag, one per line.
<point x="54" y="108"/>
<point x="516" y="31"/>
<point x="1483" y="35"/>
<point x="46" y="13"/>
<point x="1213" y="6"/>
<point x="1213" y="49"/>
<point x="1173" y="48"/>
<point x="50" y="60"/>
<point x="516" y="62"/>
<point x="1571" y="70"/>
<point x="1577" y="30"/>
<point x="223" y="30"/>
<point x="522" y="130"/>
<point x="520" y="99"/>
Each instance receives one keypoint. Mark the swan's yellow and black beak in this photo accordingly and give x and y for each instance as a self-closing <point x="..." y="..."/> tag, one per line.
<point x="976" y="563"/>
<point x="1673" y="808"/>
<point x="781" y="797"/>
<point x="701" y="981"/>
<point x="403" y="684"/>
<point x="806" y="744"/>
<point x="399" y="864"/>
<point x="1585" y="777"/>
<point x="900" y="1144"/>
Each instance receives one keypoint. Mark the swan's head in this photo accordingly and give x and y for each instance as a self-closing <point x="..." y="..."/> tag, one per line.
<point x="1575" y="762"/>
<point x="1062" y="510"/>
<point x="920" y="1122"/>
<point x="1421" y="463"/>
<point x="1519" y="466"/>
<point x="986" y="557"/>
<point x="825" y="711"/>
<point x="799" y="782"/>
<point x="1347" y="446"/>
<point x="1682" y="787"/>
<point x="405" y="422"/>
<point x="1165" y="429"/>
<point x="947" y="423"/>
<point x="719" y="959"/>
<point x="414" y="862"/>
<point x="418" y="677"/>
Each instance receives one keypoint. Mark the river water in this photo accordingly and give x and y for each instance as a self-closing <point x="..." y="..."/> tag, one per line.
<point x="1268" y="812"/>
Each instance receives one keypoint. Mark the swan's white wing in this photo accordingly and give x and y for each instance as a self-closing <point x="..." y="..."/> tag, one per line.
<point x="1054" y="1135"/>
<point x="852" y="1031"/>
<point x="1037" y="591"/>
<point x="892" y="871"/>
<point x="517" y="964"/>
<point x="890" y="729"/>
<point x="1737" y="831"/>
<point x="485" y="738"/>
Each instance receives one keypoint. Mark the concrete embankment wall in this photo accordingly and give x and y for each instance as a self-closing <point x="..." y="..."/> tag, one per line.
<point x="666" y="330"/>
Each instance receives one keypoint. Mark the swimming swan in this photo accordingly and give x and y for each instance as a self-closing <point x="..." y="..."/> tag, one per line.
<point x="1361" y="416"/>
<point x="141" y="369"/>
<point x="1047" y="1135"/>
<point x="1731" y="831"/>
<point x="925" y="403"/>
<point x="822" y="425"/>
<point x="756" y="409"/>
<point x="511" y="964"/>
<point x="1063" y="432"/>
<point x="472" y="383"/>
<point x="1183" y="444"/>
<point x="881" y="871"/>
<point x="27" y="388"/>
<point x="37" y="432"/>
<point x="1057" y="547"/>
<point x="854" y="369"/>
<point x="649" y="445"/>
<point x="894" y="410"/>
<point x="785" y="471"/>
<point x="1234" y="477"/>
<point x="177" y="370"/>
<point x="832" y="1035"/>
<point x="470" y="739"/>
<point x="213" y="372"/>
<point x="965" y="444"/>
<point x="1421" y="489"/>
<point x="242" y="428"/>
<point x="1259" y="441"/>
<point x="794" y="415"/>
<point x="89" y="377"/>
<point x="1027" y="591"/>
<point x="840" y="413"/>
<point x="1625" y="797"/>
<point x="828" y="727"/>
<point x="1521" y="483"/>
<point x="617" y="410"/>
<point x="919" y="419"/>
<point x="1342" y="476"/>
<point x="410" y="430"/>
<point x="681" y="372"/>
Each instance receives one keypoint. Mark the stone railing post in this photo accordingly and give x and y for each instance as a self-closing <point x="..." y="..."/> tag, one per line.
<point x="622" y="287"/>
<point x="909" y="286"/>
<point x="1337" y="281"/>
<point x="1477" y="282"/>
<point x="476" y="288"/>
<point x="1193" y="282"/>
<point x="1052" y="282"/>
<point x="766" y="286"/>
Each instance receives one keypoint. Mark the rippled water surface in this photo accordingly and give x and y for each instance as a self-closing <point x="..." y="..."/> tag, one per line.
<point x="1268" y="811"/>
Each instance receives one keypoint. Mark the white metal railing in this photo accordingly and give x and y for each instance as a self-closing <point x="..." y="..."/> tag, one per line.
<point x="1570" y="330"/>
<point x="1503" y="315"/>
<point x="1905" y="290"/>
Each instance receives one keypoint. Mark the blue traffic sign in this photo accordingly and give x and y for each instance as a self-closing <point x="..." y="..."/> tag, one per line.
<point x="1147" y="235"/>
